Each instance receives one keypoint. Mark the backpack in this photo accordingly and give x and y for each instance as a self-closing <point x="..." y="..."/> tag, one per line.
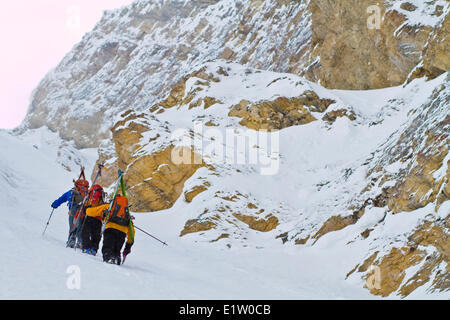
<point x="120" y="213"/>
<point x="79" y="191"/>
<point x="82" y="187"/>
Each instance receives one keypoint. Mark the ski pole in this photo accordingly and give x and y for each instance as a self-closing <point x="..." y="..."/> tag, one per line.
<point x="48" y="222"/>
<point x="150" y="235"/>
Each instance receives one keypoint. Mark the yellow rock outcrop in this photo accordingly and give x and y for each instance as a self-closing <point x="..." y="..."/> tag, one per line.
<point x="387" y="274"/>
<point x="194" y="225"/>
<point x="281" y="112"/>
<point x="263" y="225"/>
<point x="154" y="181"/>
<point x="371" y="44"/>
<point x="195" y="191"/>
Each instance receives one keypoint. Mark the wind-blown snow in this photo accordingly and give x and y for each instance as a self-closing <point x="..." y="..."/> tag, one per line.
<point x="424" y="13"/>
<point x="322" y="169"/>
<point x="35" y="266"/>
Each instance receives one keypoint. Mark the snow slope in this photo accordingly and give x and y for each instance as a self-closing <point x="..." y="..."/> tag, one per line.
<point x="128" y="63"/>
<point x="36" y="267"/>
<point x="322" y="168"/>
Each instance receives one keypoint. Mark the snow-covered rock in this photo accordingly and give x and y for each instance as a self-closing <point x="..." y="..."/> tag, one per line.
<point x="238" y="149"/>
<point x="135" y="54"/>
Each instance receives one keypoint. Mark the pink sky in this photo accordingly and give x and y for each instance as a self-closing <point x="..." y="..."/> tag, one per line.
<point x="35" y="36"/>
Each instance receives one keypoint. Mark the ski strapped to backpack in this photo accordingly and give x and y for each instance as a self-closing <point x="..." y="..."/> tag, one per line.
<point x="81" y="184"/>
<point x="86" y="199"/>
<point x="82" y="187"/>
<point x="82" y="175"/>
<point x="96" y="196"/>
<point x="118" y="184"/>
<point x="119" y="211"/>
<point x="130" y="223"/>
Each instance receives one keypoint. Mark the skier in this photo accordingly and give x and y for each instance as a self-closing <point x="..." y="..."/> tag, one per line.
<point x="118" y="226"/>
<point x="74" y="199"/>
<point x="91" y="228"/>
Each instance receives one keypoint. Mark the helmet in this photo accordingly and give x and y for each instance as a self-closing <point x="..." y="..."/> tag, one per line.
<point x="97" y="195"/>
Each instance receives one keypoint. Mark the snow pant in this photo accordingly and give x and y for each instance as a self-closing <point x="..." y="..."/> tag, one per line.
<point x="74" y="235"/>
<point x="113" y="241"/>
<point x="91" y="233"/>
<point x="71" y="239"/>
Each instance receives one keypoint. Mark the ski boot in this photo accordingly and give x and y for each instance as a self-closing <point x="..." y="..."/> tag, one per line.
<point x="113" y="260"/>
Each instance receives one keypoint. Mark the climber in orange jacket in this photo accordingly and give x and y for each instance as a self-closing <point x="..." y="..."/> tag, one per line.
<point x="119" y="224"/>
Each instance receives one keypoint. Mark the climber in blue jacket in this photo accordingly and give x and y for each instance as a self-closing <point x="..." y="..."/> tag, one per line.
<point x="74" y="199"/>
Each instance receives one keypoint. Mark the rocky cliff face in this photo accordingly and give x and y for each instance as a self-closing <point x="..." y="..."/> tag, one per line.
<point x="377" y="46"/>
<point x="413" y="174"/>
<point x="397" y="165"/>
<point x="134" y="56"/>
<point x="265" y="121"/>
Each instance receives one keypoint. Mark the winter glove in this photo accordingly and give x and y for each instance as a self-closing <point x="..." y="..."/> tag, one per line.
<point x="54" y="206"/>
